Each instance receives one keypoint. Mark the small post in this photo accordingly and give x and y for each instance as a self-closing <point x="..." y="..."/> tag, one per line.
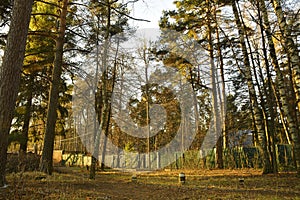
<point x="181" y="178"/>
<point x="134" y="178"/>
<point x="241" y="181"/>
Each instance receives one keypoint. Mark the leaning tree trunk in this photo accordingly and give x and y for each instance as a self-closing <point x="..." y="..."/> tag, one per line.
<point x="10" y="73"/>
<point x="269" y="92"/>
<point x="290" y="48"/>
<point x="293" y="54"/>
<point x="252" y="93"/>
<point x="292" y="125"/>
<point x="46" y="164"/>
<point x="267" y="104"/>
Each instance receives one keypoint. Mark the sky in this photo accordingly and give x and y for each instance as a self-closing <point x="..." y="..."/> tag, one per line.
<point x="150" y="10"/>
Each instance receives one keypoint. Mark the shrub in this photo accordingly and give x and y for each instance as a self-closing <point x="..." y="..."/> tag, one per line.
<point x="17" y="163"/>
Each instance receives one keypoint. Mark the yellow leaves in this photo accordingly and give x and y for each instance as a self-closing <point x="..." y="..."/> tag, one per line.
<point x="43" y="16"/>
<point x="178" y="4"/>
<point x="193" y="34"/>
<point x="179" y="63"/>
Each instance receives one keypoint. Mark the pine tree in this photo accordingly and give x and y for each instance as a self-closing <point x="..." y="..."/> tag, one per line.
<point x="10" y="72"/>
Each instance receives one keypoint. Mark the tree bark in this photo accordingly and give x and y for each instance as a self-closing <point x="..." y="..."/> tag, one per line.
<point x="223" y="91"/>
<point x="46" y="164"/>
<point x="281" y="86"/>
<point x="215" y="108"/>
<point x="104" y="108"/>
<point x="254" y="102"/>
<point x="10" y="73"/>
<point x="293" y="54"/>
<point x="268" y="90"/>
<point x="290" y="48"/>
<point x="27" y="117"/>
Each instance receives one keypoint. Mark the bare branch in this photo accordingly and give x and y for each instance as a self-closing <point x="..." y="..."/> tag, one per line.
<point x="43" y="14"/>
<point x="130" y="17"/>
<point x="51" y="35"/>
<point x="48" y="3"/>
<point x="115" y="9"/>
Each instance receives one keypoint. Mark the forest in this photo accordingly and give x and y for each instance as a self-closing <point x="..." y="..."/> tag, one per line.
<point x="85" y="91"/>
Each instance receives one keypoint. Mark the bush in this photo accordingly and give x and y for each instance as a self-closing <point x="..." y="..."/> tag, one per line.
<point x="17" y="163"/>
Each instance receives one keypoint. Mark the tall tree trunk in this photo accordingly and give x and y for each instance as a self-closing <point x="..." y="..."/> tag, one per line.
<point x="290" y="47"/>
<point x="98" y="102"/>
<point x="262" y="91"/>
<point x="103" y="121"/>
<point x="252" y="93"/>
<point x="27" y="117"/>
<point x="111" y="89"/>
<point x="282" y="117"/>
<point x="46" y="164"/>
<point x="266" y="96"/>
<point x="270" y="100"/>
<point x="10" y="73"/>
<point x="104" y="85"/>
<point x="281" y="86"/>
<point x="216" y="112"/>
<point x="294" y="58"/>
<point x="106" y="136"/>
<point x="143" y="55"/>
<point x="223" y="89"/>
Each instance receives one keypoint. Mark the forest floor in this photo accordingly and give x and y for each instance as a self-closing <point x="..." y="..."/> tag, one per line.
<point x="73" y="183"/>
